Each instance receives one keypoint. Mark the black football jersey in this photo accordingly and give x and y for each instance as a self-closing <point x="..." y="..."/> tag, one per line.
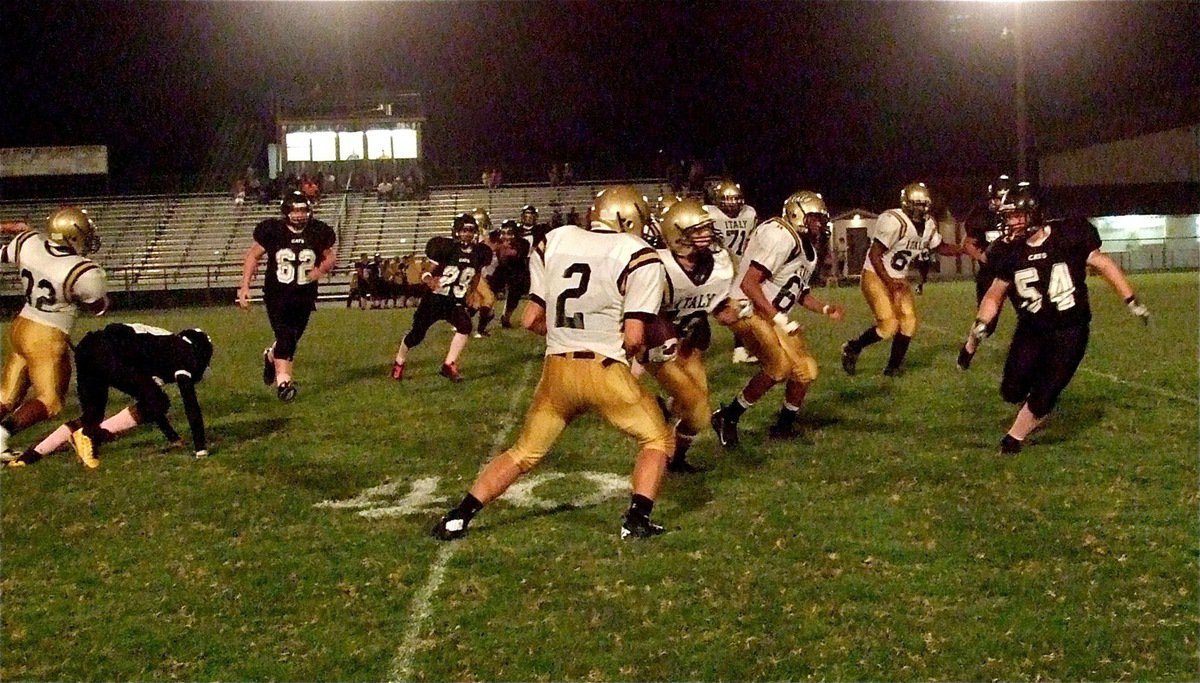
<point x="1048" y="281"/>
<point x="291" y="254"/>
<point x="457" y="264"/>
<point x="157" y="352"/>
<point x="985" y="227"/>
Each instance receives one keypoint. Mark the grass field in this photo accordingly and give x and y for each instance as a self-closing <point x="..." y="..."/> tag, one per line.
<point x="896" y="546"/>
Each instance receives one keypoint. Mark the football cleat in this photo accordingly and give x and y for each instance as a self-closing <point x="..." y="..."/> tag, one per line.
<point x="85" y="449"/>
<point x="268" y="367"/>
<point x="849" y="358"/>
<point x="964" y="358"/>
<point x="893" y="371"/>
<point x="741" y="355"/>
<point x="1010" y="445"/>
<point x="286" y="391"/>
<point x="397" y="371"/>
<point x="726" y="428"/>
<point x="450" y="372"/>
<point x="680" y="465"/>
<point x="449" y="528"/>
<point x="8" y="455"/>
<point x="636" y="526"/>
<point x="784" y="428"/>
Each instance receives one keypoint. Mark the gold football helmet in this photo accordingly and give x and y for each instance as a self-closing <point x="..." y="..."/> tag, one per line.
<point x="483" y="220"/>
<point x="71" y="227"/>
<point x="729" y="197"/>
<point x="621" y="208"/>
<point x="800" y="205"/>
<point x="915" y="200"/>
<point x="686" y="227"/>
<point x="664" y="202"/>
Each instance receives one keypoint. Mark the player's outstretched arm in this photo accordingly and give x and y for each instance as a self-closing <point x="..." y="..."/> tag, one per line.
<point x="1112" y="272"/>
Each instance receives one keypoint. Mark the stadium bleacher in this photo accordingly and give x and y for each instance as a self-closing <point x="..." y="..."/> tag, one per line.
<point x="177" y="242"/>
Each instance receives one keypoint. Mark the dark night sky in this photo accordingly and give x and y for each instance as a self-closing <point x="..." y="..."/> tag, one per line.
<point x="833" y="95"/>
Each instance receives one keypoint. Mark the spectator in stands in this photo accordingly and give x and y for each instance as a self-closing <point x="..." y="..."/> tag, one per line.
<point x="385" y="191"/>
<point x="568" y="174"/>
<point x="310" y="188"/>
<point x="572" y="217"/>
<point x="556" y="218"/>
<point x="328" y="183"/>
<point x="695" y="180"/>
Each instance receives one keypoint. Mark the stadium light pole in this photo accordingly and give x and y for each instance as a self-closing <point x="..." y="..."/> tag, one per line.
<point x="1022" y="95"/>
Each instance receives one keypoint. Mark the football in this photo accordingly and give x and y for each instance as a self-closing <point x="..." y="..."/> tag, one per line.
<point x="658" y="331"/>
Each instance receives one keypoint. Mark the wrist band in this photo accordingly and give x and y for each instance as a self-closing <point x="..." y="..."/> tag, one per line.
<point x="1130" y="299"/>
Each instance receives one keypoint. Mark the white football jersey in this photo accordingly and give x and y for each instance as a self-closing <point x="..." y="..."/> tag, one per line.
<point x="685" y="296"/>
<point x="734" y="232"/>
<point x="54" y="278"/>
<point x="789" y="260"/>
<point x="589" y="281"/>
<point x="898" y="234"/>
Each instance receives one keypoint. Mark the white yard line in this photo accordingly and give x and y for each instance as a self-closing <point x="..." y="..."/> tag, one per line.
<point x="420" y="611"/>
<point x="994" y="348"/>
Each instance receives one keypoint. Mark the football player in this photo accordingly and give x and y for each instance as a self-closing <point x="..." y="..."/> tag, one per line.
<point x="59" y="281"/>
<point x="592" y="291"/>
<point x="299" y="251"/>
<point x="455" y="263"/>
<point x="698" y="279"/>
<point x="137" y="360"/>
<point x="510" y="258"/>
<point x="515" y="270"/>
<point x="982" y="230"/>
<point x="1042" y="267"/>
<point x="358" y="284"/>
<point x="772" y="279"/>
<point x="733" y="219"/>
<point x="480" y="297"/>
<point x="899" y="236"/>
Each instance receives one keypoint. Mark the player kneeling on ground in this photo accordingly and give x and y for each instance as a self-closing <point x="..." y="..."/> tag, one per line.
<point x="136" y="359"/>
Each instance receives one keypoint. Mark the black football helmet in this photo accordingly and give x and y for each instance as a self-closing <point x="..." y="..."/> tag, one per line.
<point x="466" y="228"/>
<point x="510" y="230"/>
<point x="292" y="201"/>
<point x="529" y="215"/>
<point x="1020" y="211"/>
<point x="202" y="348"/>
<point x="997" y="190"/>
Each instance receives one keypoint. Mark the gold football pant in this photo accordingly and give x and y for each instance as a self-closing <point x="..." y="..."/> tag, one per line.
<point x="783" y="356"/>
<point x="893" y="311"/>
<point x="686" y="382"/>
<point x="38" y="356"/>
<point x="572" y="384"/>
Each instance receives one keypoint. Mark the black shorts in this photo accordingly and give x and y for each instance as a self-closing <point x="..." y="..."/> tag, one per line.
<point x="289" y="312"/>
<point x="435" y="307"/>
<point x="1040" y="365"/>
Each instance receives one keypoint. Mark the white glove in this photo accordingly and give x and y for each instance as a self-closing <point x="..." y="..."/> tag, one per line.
<point x="745" y="309"/>
<point x="664" y="353"/>
<point x="1138" y="309"/>
<point x="784" y="323"/>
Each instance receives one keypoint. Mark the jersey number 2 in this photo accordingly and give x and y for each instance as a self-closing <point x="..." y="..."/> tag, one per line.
<point x="575" y="321"/>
